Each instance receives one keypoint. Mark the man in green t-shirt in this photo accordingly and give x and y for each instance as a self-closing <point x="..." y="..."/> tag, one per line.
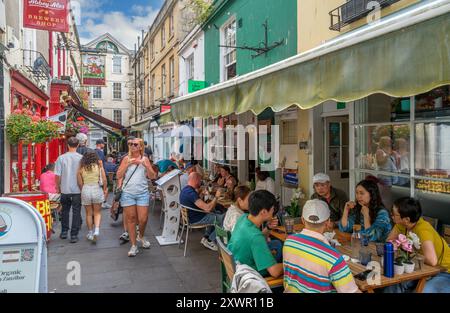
<point x="248" y="244"/>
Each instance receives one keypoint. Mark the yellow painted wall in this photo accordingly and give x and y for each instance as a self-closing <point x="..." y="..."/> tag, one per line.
<point x="314" y="21"/>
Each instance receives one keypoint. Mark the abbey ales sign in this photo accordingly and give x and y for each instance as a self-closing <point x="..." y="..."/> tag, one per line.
<point x="48" y="15"/>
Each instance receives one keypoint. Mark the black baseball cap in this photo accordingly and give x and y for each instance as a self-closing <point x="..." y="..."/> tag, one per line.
<point x="100" y="142"/>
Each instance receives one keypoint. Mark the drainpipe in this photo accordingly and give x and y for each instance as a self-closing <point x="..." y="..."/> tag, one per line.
<point x="2" y="127"/>
<point x="135" y="84"/>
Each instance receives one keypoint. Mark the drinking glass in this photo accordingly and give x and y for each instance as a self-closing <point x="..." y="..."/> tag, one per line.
<point x="380" y="248"/>
<point x="289" y="225"/>
<point x="420" y="261"/>
<point x="365" y="257"/>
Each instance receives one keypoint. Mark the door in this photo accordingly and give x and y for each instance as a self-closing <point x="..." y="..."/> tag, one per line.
<point x="337" y="151"/>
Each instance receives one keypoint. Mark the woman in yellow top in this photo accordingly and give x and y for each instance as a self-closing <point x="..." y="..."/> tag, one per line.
<point x="406" y="214"/>
<point x="90" y="178"/>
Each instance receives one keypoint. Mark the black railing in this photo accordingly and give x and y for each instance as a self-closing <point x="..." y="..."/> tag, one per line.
<point x="354" y="10"/>
<point x="36" y="64"/>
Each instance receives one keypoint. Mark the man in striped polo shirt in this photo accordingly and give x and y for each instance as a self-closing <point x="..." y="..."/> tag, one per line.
<point x="310" y="263"/>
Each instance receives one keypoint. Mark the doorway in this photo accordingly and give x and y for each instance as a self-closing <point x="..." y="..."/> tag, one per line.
<point x="336" y="149"/>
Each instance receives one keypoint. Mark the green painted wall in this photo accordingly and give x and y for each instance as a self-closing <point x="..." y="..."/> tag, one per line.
<point x="282" y="20"/>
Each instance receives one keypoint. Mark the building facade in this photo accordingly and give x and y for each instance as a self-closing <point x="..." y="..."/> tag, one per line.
<point x="32" y="62"/>
<point x="111" y="101"/>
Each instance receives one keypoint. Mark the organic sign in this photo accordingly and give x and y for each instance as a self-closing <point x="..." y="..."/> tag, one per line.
<point x="50" y="15"/>
<point x="93" y="70"/>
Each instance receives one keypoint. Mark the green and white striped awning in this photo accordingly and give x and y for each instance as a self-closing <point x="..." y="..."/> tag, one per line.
<point x="400" y="56"/>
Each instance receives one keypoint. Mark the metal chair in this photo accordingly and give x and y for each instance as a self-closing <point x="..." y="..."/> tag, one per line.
<point x="186" y="224"/>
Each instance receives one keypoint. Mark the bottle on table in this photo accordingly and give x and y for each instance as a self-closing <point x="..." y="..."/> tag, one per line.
<point x="388" y="260"/>
<point x="365" y="256"/>
<point x="355" y="243"/>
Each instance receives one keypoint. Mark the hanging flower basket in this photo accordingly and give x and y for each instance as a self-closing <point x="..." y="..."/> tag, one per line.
<point x="22" y="127"/>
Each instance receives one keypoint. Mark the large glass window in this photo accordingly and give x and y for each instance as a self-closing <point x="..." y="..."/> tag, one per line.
<point x="405" y="143"/>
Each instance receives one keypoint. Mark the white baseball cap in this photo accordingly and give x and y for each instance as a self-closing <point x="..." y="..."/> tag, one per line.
<point x="321" y="178"/>
<point x="316" y="211"/>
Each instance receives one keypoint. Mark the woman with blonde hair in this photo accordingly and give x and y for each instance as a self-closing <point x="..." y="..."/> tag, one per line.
<point x="89" y="178"/>
<point x="134" y="172"/>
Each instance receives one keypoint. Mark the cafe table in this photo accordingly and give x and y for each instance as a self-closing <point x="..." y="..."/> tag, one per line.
<point x="421" y="274"/>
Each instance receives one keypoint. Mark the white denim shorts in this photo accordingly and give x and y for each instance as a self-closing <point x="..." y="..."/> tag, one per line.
<point x="92" y="194"/>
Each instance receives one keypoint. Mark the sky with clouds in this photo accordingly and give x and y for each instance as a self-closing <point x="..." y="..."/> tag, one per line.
<point x="124" y="19"/>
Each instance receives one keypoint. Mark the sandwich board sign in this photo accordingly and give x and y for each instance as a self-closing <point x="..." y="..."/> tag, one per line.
<point x="170" y="186"/>
<point x="23" y="250"/>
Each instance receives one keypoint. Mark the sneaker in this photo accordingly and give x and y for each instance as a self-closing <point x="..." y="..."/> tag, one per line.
<point x="89" y="236"/>
<point x="209" y="244"/>
<point x="63" y="235"/>
<point x="95" y="237"/>
<point x="73" y="239"/>
<point x="125" y="237"/>
<point x="133" y="251"/>
<point x="144" y="242"/>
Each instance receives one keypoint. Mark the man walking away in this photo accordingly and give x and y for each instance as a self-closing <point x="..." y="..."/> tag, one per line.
<point x="66" y="169"/>
<point x="82" y="140"/>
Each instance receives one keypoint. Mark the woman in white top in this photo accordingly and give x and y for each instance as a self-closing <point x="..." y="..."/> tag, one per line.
<point x="240" y="197"/>
<point x="265" y="182"/>
<point x="133" y="173"/>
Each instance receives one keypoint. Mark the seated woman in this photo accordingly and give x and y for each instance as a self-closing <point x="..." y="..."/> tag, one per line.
<point x="368" y="210"/>
<point x="407" y="216"/>
<point x="227" y="181"/>
<point x="265" y="182"/>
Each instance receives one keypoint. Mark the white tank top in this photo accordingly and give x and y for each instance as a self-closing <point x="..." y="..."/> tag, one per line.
<point x="138" y="183"/>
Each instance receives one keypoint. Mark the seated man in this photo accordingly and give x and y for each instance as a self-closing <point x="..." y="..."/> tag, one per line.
<point x="189" y="197"/>
<point x="335" y="198"/>
<point x="310" y="263"/>
<point x="248" y="244"/>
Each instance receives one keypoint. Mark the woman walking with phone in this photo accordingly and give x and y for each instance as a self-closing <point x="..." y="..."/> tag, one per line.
<point x="134" y="172"/>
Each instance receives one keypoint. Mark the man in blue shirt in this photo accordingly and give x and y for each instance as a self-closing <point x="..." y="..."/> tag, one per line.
<point x="189" y="197"/>
<point x="99" y="147"/>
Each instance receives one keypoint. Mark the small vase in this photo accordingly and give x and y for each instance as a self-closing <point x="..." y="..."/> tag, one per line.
<point x="399" y="269"/>
<point x="409" y="267"/>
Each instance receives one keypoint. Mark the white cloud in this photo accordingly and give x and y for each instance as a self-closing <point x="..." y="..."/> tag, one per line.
<point x="124" y="28"/>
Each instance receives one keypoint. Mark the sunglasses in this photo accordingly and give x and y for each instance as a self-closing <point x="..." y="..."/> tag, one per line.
<point x="133" y="144"/>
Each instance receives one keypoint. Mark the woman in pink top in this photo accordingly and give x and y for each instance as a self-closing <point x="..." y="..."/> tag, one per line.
<point x="48" y="182"/>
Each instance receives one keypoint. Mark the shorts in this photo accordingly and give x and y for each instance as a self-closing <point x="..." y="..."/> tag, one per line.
<point x="128" y="199"/>
<point x="92" y="194"/>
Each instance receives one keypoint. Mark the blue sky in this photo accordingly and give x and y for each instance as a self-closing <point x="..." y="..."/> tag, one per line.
<point x="124" y="19"/>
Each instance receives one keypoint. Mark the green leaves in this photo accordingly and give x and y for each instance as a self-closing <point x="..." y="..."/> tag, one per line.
<point x="21" y="127"/>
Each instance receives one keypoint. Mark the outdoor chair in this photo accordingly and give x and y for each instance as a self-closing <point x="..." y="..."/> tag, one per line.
<point x="186" y="224"/>
<point x="229" y="264"/>
<point x="224" y="236"/>
<point x="446" y="233"/>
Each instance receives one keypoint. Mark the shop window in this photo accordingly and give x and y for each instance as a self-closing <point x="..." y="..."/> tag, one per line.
<point x="435" y="103"/>
<point x="432" y="146"/>
<point x="383" y="148"/>
<point x="380" y="108"/>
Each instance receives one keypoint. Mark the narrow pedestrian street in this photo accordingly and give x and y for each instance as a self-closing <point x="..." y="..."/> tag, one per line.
<point x="105" y="266"/>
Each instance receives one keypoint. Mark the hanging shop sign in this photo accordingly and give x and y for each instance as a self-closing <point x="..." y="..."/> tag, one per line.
<point x="93" y="70"/>
<point x="50" y="15"/>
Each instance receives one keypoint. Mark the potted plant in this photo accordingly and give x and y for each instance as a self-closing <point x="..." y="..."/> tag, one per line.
<point x="294" y="209"/>
<point x="405" y="247"/>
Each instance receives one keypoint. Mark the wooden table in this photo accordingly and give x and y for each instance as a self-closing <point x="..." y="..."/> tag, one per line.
<point x="344" y="238"/>
<point x="225" y="202"/>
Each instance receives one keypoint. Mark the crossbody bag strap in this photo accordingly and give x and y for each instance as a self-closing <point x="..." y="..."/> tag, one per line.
<point x="130" y="177"/>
